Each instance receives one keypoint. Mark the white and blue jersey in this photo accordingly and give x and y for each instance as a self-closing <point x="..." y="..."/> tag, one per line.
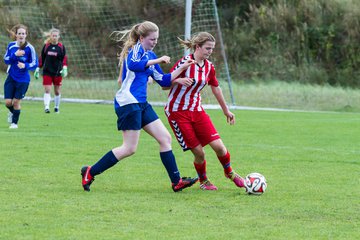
<point x="29" y="59"/>
<point x="135" y="76"/>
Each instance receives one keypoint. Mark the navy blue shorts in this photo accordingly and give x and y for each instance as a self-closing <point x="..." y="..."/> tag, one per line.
<point x="135" y="116"/>
<point x="13" y="89"/>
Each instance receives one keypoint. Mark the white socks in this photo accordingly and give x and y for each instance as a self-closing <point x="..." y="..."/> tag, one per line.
<point x="57" y="101"/>
<point x="47" y="99"/>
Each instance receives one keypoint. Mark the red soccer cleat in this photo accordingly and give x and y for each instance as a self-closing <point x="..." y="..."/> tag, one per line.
<point x="184" y="183"/>
<point x="87" y="179"/>
<point x="236" y="178"/>
<point x="207" y="185"/>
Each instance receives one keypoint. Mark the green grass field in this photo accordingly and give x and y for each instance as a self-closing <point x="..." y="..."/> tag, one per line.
<point x="311" y="162"/>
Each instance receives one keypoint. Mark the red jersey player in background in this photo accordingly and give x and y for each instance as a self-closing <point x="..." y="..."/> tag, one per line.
<point x="191" y="125"/>
<point x="53" y="60"/>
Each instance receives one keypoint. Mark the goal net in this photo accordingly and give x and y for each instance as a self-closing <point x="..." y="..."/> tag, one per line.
<point x="92" y="55"/>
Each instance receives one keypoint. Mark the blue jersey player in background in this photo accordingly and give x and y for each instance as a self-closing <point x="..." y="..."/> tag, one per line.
<point x="137" y="63"/>
<point x="21" y="57"/>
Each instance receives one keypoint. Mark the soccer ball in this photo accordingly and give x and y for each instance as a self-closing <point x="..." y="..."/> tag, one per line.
<point x="255" y="183"/>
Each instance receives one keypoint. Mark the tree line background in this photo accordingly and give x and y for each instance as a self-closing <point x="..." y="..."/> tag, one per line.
<point x="308" y="41"/>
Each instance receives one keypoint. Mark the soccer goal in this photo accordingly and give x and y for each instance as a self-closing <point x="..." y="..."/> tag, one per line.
<point x="93" y="56"/>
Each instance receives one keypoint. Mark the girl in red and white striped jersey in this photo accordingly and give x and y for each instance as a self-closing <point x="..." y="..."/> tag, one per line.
<point x="191" y="125"/>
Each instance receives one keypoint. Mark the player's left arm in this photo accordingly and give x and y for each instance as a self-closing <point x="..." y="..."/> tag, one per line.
<point x="216" y="90"/>
<point x="32" y="62"/>
<point x="230" y="117"/>
<point x="64" y="70"/>
<point x="65" y="57"/>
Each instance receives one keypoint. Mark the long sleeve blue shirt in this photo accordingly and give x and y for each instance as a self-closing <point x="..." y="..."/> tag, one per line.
<point x="29" y="59"/>
<point x="135" y="76"/>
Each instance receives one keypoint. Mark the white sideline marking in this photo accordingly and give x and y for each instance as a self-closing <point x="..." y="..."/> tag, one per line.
<point x="162" y="104"/>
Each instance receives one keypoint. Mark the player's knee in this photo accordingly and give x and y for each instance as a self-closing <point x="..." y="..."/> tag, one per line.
<point x="165" y="139"/>
<point x="130" y="150"/>
<point x="8" y="103"/>
<point x="16" y="104"/>
<point x="221" y="151"/>
<point x="219" y="147"/>
<point x="199" y="153"/>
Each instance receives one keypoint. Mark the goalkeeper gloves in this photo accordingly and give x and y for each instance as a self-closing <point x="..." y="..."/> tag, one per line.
<point x="37" y="73"/>
<point x="64" y="71"/>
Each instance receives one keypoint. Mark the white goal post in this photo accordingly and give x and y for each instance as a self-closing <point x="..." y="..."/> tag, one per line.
<point x="188" y="14"/>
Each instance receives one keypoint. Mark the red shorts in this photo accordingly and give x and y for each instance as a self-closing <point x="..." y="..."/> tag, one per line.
<point x="192" y="128"/>
<point x="49" y="80"/>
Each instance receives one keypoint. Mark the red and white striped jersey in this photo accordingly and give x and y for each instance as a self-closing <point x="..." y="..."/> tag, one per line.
<point x="182" y="98"/>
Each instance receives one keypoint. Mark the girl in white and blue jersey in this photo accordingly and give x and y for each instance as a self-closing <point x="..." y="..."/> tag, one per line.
<point x="20" y="57"/>
<point x="137" y="63"/>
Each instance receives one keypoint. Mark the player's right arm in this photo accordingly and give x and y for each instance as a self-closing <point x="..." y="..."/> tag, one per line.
<point x="182" y="67"/>
<point x="42" y="57"/>
<point x="163" y="59"/>
<point x="10" y="57"/>
<point x="178" y="73"/>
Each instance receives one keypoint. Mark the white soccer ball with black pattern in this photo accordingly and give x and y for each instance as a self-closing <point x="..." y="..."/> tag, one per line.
<point x="255" y="183"/>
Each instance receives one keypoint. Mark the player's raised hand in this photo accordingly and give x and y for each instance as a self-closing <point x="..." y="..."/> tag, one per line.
<point x="19" y="53"/>
<point x="187" y="82"/>
<point x="164" y="59"/>
<point x="187" y="63"/>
